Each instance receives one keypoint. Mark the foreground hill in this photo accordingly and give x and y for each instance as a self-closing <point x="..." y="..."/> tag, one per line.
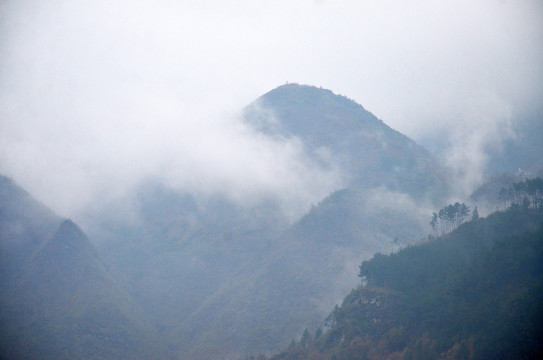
<point x="58" y="299"/>
<point x="473" y="294"/>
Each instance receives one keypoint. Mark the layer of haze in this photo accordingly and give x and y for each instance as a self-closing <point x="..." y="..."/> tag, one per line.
<point x="97" y="96"/>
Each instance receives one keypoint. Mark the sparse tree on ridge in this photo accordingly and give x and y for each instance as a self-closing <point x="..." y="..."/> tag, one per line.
<point x="475" y="214"/>
<point x="433" y="222"/>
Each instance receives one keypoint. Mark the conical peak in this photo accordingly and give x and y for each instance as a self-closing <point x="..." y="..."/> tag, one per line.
<point x="68" y="229"/>
<point x="69" y="240"/>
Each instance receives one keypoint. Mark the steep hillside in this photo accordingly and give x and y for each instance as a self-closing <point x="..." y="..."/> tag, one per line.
<point x="487" y="196"/>
<point x="62" y="301"/>
<point x="182" y="250"/>
<point x="308" y="270"/>
<point x="24" y="225"/>
<point x="472" y="294"/>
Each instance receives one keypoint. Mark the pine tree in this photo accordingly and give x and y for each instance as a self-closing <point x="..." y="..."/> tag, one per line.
<point x="475" y="214"/>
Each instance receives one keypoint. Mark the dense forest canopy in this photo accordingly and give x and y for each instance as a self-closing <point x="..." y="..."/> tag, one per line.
<point x="472" y="294"/>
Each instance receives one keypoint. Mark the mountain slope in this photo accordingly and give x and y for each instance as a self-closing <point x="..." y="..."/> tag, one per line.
<point x="24" y="225"/>
<point x="336" y="130"/>
<point x="309" y="269"/>
<point x="62" y="301"/>
<point x="184" y="248"/>
<point x="473" y="294"/>
<point x="310" y="265"/>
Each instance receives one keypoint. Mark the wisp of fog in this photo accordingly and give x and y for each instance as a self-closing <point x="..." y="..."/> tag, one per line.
<point x="97" y="97"/>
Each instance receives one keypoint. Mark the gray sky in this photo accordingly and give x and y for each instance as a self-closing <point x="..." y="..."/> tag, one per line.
<point x="95" y="96"/>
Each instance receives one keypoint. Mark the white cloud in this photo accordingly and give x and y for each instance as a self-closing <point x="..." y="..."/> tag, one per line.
<point x="96" y="96"/>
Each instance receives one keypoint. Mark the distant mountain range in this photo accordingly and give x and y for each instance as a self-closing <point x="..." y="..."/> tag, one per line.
<point x="202" y="277"/>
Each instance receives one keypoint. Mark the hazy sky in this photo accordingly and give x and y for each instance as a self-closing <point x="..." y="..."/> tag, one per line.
<point x="97" y="95"/>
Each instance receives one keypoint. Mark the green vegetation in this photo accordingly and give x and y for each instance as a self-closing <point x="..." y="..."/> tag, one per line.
<point x="526" y="193"/>
<point x="472" y="294"/>
<point x="449" y="218"/>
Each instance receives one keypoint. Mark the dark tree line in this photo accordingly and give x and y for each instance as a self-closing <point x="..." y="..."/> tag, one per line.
<point x="527" y="193"/>
<point x="449" y="218"/>
<point x="475" y="295"/>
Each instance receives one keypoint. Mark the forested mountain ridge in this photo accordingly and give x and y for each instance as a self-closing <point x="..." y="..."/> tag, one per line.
<point x="472" y="294"/>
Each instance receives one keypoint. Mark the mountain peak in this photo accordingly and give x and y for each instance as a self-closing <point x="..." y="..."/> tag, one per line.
<point x="301" y="93"/>
<point x="316" y="115"/>
<point x="69" y="234"/>
<point x="301" y="87"/>
<point x="68" y="226"/>
<point x="67" y="250"/>
<point x="292" y="85"/>
<point x="339" y="133"/>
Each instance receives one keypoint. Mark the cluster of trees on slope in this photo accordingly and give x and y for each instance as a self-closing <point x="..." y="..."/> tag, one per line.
<point x="472" y="294"/>
<point x="526" y="193"/>
<point x="450" y="217"/>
